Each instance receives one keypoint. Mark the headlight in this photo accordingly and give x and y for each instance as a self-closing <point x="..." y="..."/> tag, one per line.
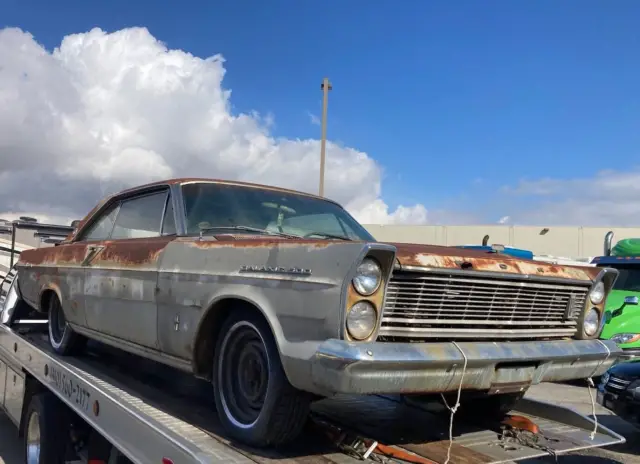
<point x="361" y="320"/>
<point x="597" y="294"/>
<point x="368" y="277"/>
<point x="591" y="322"/>
<point x="605" y="378"/>
<point x="625" y="338"/>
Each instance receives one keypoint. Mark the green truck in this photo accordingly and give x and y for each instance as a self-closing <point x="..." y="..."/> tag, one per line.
<point x="622" y="312"/>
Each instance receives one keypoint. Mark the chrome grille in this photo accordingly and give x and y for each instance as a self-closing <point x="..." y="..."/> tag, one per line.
<point x="458" y="306"/>
<point x="615" y="383"/>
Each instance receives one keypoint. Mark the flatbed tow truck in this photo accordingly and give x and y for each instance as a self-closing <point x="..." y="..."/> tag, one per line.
<point x="108" y="406"/>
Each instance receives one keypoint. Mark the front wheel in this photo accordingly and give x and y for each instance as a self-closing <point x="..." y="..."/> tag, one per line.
<point x="46" y="430"/>
<point x="62" y="338"/>
<point x="255" y="401"/>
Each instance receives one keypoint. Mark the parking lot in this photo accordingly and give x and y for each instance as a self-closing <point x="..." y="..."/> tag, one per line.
<point x="573" y="396"/>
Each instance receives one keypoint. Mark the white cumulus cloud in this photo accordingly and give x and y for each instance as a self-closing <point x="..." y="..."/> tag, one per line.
<point x="610" y="198"/>
<point x="105" y="111"/>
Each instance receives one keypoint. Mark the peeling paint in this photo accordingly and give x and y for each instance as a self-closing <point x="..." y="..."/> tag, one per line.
<point x="431" y="256"/>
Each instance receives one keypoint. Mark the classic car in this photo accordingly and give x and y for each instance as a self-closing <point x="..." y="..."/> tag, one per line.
<point x="280" y="298"/>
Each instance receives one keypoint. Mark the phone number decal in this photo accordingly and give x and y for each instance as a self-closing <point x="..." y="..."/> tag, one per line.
<point x="75" y="392"/>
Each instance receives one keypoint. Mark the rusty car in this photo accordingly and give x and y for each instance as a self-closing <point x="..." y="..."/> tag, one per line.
<point x="279" y="298"/>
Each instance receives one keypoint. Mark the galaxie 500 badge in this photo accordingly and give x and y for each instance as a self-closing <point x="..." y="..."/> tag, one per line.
<point x="276" y="270"/>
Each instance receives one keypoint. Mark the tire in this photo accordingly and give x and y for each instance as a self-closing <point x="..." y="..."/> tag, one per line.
<point x="256" y="403"/>
<point x="46" y="430"/>
<point x="62" y="338"/>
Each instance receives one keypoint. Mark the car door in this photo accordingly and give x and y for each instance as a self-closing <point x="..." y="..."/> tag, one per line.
<point x="121" y="277"/>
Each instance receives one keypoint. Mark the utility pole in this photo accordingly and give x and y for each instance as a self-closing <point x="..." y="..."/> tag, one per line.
<point x="325" y="86"/>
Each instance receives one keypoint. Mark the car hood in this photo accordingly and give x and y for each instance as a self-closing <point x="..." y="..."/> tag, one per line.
<point x="433" y="256"/>
<point x="628" y="370"/>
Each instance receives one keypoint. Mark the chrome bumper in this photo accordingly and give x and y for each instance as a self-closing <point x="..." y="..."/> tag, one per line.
<point x="628" y="354"/>
<point x="369" y="368"/>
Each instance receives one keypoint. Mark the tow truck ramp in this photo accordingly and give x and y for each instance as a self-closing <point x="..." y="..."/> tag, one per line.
<point x="154" y="414"/>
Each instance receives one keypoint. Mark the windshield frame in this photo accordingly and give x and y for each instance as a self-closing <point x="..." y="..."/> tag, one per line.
<point x="190" y="189"/>
<point x="622" y="269"/>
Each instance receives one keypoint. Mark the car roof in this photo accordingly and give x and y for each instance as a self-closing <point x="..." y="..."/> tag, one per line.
<point x="190" y="180"/>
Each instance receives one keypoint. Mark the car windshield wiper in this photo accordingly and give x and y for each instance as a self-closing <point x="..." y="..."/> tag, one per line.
<point x="246" y="229"/>
<point x="324" y="234"/>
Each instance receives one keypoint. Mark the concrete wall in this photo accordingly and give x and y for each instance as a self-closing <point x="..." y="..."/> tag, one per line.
<point x="571" y="242"/>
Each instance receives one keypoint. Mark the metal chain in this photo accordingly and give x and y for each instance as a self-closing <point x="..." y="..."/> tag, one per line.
<point x="529" y="439"/>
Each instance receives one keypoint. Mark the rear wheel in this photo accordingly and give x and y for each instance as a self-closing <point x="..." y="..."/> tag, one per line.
<point x="62" y="338"/>
<point x="255" y="401"/>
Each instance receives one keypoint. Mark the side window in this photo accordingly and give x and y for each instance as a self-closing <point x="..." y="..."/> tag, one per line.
<point x="168" y="222"/>
<point x="140" y="217"/>
<point x="101" y="229"/>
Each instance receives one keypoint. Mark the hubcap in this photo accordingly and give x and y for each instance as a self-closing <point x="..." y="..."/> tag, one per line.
<point x="33" y="439"/>
<point x="243" y="375"/>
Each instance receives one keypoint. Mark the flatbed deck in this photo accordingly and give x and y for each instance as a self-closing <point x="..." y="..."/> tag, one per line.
<point x="150" y="412"/>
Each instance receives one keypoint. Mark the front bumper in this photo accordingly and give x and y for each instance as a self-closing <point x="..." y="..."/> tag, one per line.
<point x="368" y="368"/>
<point x="628" y="354"/>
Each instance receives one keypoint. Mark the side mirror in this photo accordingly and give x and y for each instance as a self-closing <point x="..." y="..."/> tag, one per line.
<point x="631" y="300"/>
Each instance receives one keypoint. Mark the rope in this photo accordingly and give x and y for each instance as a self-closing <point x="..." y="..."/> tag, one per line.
<point x="591" y="385"/>
<point x="455" y="407"/>
<point x="593" y="408"/>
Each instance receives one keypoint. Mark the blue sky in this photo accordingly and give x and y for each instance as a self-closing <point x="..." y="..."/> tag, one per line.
<point x="454" y="99"/>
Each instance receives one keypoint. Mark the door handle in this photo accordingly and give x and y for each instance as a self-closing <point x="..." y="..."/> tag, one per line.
<point x="92" y="252"/>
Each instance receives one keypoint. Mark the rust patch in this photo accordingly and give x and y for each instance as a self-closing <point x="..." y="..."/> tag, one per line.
<point x="63" y="254"/>
<point x="459" y="258"/>
<point x="256" y="241"/>
<point x="136" y="252"/>
<point x="352" y="297"/>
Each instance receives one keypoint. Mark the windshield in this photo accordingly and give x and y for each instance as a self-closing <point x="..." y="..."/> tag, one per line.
<point x="628" y="278"/>
<point x="211" y="205"/>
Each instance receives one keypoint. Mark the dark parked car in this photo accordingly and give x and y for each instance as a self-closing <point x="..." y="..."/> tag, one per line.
<point x="619" y="391"/>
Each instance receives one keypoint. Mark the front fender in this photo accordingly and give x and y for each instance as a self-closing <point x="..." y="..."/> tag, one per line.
<point x="47" y="287"/>
<point x="302" y="309"/>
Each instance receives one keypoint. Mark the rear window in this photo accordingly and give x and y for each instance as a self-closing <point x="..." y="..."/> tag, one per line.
<point x="628" y="278"/>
